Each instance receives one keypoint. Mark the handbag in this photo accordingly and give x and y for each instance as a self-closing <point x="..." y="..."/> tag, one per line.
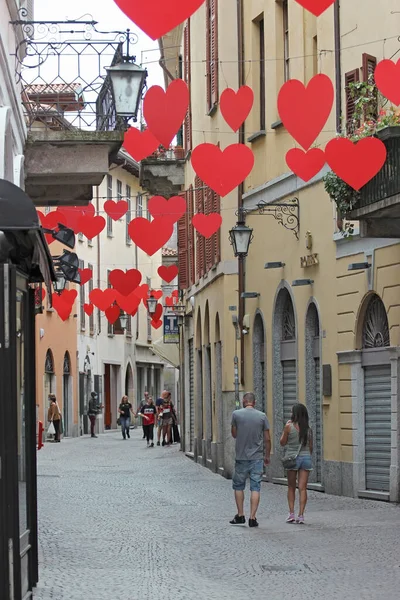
<point x="51" y="429"/>
<point x="119" y="421"/>
<point x="289" y="462"/>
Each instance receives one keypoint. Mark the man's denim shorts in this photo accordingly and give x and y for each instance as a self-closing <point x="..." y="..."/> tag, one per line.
<point x="303" y="463"/>
<point x="244" y="469"/>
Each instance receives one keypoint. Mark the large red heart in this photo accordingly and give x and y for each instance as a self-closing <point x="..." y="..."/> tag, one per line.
<point x="158" y="17"/>
<point x="221" y="170"/>
<point x="356" y="163"/>
<point x="142" y="292"/>
<point x="91" y="226"/>
<point x="150" y="236"/>
<point x="86" y="275"/>
<point x="156" y="324"/>
<point x="125" y="283"/>
<point x="128" y="304"/>
<point x="207" y="225"/>
<point x="63" y="303"/>
<point x="102" y="298"/>
<point x="305" y="164"/>
<point x="116" y="210"/>
<point x="168" y="274"/>
<point x="236" y="106"/>
<point x="140" y="144"/>
<point x="165" y="111"/>
<point x="316" y="7"/>
<point x="70" y="215"/>
<point x="174" y="208"/>
<point x="387" y="79"/>
<point x="305" y="110"/>
<point x="112" y="313"/>
<point x="88" y="308"/>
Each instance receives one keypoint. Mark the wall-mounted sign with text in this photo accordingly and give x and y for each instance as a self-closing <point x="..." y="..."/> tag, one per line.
<point x="171" y="329"/>
<point x="309" y="261"/>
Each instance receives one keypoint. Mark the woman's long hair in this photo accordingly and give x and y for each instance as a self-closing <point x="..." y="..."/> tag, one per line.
<point x="300" y="417"/>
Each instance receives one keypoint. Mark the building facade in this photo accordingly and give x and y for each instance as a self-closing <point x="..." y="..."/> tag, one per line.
<point x="310" y="330"/>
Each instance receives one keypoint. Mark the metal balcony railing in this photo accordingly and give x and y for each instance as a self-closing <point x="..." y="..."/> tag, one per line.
<point x="387" y="182"/>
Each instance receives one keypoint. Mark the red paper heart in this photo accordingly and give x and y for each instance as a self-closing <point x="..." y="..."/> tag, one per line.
<point x="316" y="7"/>
<point x="175" y="294"/>
<point x="91" y="226"/>
<point x="116" y="210"/>
<point x="86" y="275"/>
<point x="158" y="17"/>
<point x="156" y="294"/>
<point x="129" y="304"/>
<point x="43" y="294"/>
<point x="125" y="283"/>
<point x="221" y="170"/>
<point x="305" y="164"/>
<point x="156" y="324"/>
<point x="387" y="79"/>
<point x="174" y="208"/>
<point x="356" y="163"/>
<point x="112" y="313"/>
<point x="168" y="274"/>
<point x="51" y="221"/>
<point x="305" y="110"/>
<point x="63" y="303"/>
<point x="207" y="225"/>
<point x="165" y="111"/>
<point x="88" y="308"/>
<point x="142" y="292"/>
<point x="70" y="215"/>
<point x="170" y="301"/>
<point x="150" y="236"/>
<point x="140" y="144"/>
<point x="102" y="298"/>
<point x="158" y="312"/>
<point x="236" y="106"/>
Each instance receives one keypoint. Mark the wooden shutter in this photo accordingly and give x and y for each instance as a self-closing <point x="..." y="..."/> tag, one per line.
<point x="183" y="278"/>
<point x="191" y="248"/>
<point x="368" y="70"/>
<point x="214" y="52"/>
<point x="200" y="245"/>
<point x="351" y="77"/>
<point x="208" y="54"/>
<point x="209" y="242"/>
<point x="217" y="236"/>
<point x="187" y="78"/>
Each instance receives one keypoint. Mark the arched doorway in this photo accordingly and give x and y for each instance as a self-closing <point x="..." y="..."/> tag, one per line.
<point x="313" y="387"/>
<point x="219" y="410"/>
<point x="67" y="397"/>
<point x="198" y="445"/>
<point x="49" y="382"/>
<point x="207" y="382"/>
<point x="259" y="362"/>
<point x="377" y="396"/>
<point x="129" y="383"/>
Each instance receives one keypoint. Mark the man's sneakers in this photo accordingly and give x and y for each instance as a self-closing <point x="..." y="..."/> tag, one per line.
<point x="238" y="520"/>
<point x="253" y="522"/>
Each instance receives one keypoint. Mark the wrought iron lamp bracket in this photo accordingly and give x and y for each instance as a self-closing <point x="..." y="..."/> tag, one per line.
<point x="286" y="213"/>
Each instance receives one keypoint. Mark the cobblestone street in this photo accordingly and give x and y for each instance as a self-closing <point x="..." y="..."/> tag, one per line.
<point x="118" y="521"/>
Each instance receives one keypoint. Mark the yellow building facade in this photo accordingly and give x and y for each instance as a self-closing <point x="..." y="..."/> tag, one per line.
<point x="313" y="330"/>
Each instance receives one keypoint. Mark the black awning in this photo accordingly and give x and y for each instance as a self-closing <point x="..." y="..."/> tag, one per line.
<point x="17" y="211"/>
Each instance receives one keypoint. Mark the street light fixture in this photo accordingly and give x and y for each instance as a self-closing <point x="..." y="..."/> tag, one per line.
<point x="152" y="304"/>
<point x="59" y="283"/>
<point x="123" y="319"/>
<point x="241" y="237"/>
<point x="127" y="82"/>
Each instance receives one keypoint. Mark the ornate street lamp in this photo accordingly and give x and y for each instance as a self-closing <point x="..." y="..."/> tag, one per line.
<point x="127" y="82"/>
<point x="59" y="283"/>
<point x="152" y="304"/>
<point x="123" y="319"/>
<point x="241" y="237"/>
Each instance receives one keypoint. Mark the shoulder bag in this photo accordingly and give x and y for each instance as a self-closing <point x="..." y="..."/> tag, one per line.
<point x="289" y="461"/>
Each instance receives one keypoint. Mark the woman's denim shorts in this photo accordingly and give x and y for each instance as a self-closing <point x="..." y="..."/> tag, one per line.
<point x="303" y="463"/>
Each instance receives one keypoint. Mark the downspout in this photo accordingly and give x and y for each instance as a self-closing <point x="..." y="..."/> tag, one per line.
<point x="338" y="66"/>
<point x="241" y="261"/>
<point x="98" y="258"/>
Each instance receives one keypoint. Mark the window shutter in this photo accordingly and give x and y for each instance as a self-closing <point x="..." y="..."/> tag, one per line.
<point x="217" y="236"/>
<point x="200" y="245"/>
<point x="208" y="54"/>
<point x="191" y="253"/>
<point x="187" y="78"/>
<point x="214" y="52"/>
<point x="209" y="242"/>
<point x="182" y="253"/>
<point x="351" y="77"/>
<point x="368" y="70"/>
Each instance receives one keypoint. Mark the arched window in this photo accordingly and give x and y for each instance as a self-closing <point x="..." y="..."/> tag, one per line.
<point x="49" y="363"/>
<point x="67" y="364"/>
<point x="376" y="326"/>
<point x="288" y="320"/>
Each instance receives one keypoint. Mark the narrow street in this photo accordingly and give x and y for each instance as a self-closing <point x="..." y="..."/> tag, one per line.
<point x="118" y="521"/>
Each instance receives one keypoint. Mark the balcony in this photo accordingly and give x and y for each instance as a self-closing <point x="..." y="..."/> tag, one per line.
<point x="163" y="172"/>
<point x="378" y="209"/>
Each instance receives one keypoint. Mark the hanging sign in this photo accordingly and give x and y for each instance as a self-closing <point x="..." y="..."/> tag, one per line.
<point x="171" y="329"/>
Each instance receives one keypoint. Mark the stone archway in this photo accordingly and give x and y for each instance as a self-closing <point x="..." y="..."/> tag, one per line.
<point x="67" y="396"/>
<point x="129" y="388"/>
<point x="313" y="387"/>
<point x="49" y="382"/>
<point x="207" y="387"/>
<point x="259" y="362"/>
<point x="198" y="441"/>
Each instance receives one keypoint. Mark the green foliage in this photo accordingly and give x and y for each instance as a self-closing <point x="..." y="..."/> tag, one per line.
<point x="341" y="193"/>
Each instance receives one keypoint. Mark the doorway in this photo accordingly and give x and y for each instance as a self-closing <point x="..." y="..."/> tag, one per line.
<point x="67" y="409"/>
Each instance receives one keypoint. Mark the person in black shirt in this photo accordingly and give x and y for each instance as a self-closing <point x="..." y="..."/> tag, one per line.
<point x="142" y="405"/>
<point x="149" y="413"/>
<point x="125" y="410"/>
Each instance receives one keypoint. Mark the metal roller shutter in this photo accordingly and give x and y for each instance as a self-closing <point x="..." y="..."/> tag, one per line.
<point x="377" y="391"/>
<point x="318" y="423"/>
<point x="289" y="388"/>
<point x="191" y="394"/>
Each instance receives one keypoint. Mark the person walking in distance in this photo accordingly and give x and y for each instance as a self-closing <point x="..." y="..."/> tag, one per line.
<point x="149" y="413"/>
<point x="54" y="416"/>
<point x="166" y="412"/>
<point x="125" y="410"/>
<point x="250" y="428"/>
<point x="298" y="443"/>
<point x="143" y="403"/>
<point x="93" y="410"/>
<point x="159" y="404"/>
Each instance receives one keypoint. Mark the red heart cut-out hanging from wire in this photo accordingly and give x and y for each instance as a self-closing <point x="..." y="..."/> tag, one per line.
<point x="112" y="313"/>
<point x="157" y="313"/>
<point x="156" y="324"/>
<point x="316" y="7"/>
<point x="165" y="111"/>
<point x="86" y="275"/>
<point x="156" y="294"/>
<point x="236" y="106"/>
<point x="125" y="283"/>
<point x="129" y="304"/>
<point x="63" y="303"/>
<point x="158" y="17"/>
<point x="304" y="110"/>
<point x="150" y="236"/>
<point x="102" y="298"/>
<point x="142" y="292"/>
<point x="305" y="164"/>
<point x="387" y="79"/>
<point x="140" y="144"/>
<point x="91" y="226"/>
<point x="356" y="163"/>
<point x="116" y="210"/>
<point x="168" y="274"/>
<point x="207" y="225"/>
<point x="88" y="308"/>
<point x="222" y="170"/>
<point x="174" y="208"/>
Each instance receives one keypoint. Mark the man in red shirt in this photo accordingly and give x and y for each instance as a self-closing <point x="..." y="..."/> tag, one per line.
<point x="149" y="412"/>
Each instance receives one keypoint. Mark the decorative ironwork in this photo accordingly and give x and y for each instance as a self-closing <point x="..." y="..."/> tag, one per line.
<point x="288" y="320"/>
<point x="376" y="325"/>
<point x="287" y="213"/>
<point x="49" y="363"/>
<point x="387" y="182"/>
<point x="67" y="364"/>
<point x="61" y="68"/>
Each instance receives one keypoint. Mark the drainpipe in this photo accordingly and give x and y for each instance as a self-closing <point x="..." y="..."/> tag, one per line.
<point x="98" y="257"/>
<point x="241" y="261"/>
<point x="338" y="66"/>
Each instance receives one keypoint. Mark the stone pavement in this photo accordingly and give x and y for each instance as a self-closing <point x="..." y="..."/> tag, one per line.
<point x="118" y="521"/>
